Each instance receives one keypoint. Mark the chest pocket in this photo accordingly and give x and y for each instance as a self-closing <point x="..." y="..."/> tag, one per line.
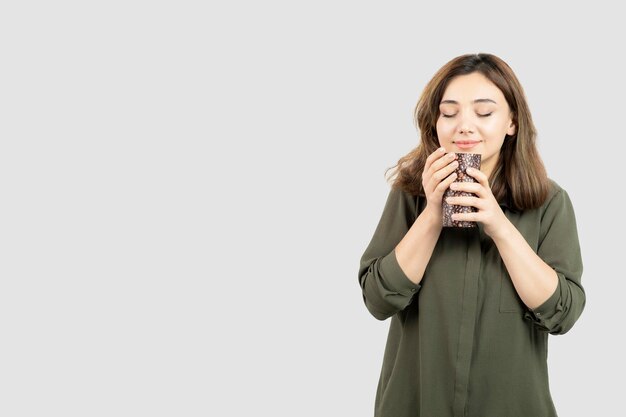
<point x="510" y="302"/>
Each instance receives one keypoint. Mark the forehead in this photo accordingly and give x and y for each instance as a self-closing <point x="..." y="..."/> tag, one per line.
<point x="470" y="88"/>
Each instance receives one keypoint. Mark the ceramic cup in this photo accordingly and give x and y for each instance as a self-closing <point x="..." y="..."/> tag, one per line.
<point x="465" y="160"/>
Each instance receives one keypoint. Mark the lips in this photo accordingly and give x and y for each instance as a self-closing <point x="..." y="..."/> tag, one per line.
<point x="466" y="142"/>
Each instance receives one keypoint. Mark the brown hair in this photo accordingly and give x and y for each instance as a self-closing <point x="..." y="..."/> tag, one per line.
<point x="519" y="177"/>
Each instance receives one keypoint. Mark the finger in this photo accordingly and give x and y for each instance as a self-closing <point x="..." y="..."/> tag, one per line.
<point x="469" y="187"/>
<point x="443" y="161"/>
<point x="433" y="157"/>
<point x="466" y="217"/>
<point x="466" y="201"/>
<point x="440" y="175"/>
<point x="443" y="185"/>
<point x="478" y="175"/>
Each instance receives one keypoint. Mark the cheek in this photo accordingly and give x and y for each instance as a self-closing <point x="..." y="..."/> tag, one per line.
<point x="443" y="129"/>
<point x="494" y="129"/>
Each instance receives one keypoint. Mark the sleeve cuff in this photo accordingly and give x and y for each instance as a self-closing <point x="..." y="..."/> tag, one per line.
<point x="395" y="276"/>
<point x="549" y="307"/>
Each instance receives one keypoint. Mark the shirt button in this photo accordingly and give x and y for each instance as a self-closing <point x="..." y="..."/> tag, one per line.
<point x="538" y="314"/>
<point x="412" y="289"/>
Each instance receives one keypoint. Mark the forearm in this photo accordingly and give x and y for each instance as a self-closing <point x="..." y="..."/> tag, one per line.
<point x="415" y="249"/>
<point x="534" y="280"/>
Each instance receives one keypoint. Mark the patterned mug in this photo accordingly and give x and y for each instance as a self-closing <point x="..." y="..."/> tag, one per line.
<point x="465" y="160"/>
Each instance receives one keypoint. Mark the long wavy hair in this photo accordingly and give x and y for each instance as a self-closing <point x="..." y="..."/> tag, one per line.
<point x="519" y="178"/>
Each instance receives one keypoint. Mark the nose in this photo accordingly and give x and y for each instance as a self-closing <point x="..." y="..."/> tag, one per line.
<point x="465" y="125"/>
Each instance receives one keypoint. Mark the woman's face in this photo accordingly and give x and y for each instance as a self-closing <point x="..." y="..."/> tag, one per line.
<point x="474" y="111"/>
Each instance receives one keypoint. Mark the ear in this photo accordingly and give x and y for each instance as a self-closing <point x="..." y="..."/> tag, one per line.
<point x="512" y="129"/>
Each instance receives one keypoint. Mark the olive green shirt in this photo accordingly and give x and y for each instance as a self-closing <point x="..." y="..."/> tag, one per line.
<point x="461" y="342"/>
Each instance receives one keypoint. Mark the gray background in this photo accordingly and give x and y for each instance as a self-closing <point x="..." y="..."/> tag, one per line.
<point x="186" y="191"/>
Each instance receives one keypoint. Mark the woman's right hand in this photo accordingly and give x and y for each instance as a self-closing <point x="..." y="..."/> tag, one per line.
<point x="438" y="174"/>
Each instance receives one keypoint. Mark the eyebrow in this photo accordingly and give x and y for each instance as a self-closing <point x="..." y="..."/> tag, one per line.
<point x="478" y="100"/>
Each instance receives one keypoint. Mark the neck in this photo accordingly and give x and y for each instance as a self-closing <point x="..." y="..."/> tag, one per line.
<point x="489" y="165"/>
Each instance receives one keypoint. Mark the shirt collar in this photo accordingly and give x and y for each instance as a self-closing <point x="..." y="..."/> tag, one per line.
<point x="505" y="202"/>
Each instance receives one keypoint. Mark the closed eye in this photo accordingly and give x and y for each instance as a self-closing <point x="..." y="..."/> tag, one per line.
<point x="480" y="115"/>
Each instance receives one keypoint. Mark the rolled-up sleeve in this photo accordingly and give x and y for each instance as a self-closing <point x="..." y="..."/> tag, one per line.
<point x="385" y="287"/>
<point x="559" y="247"/>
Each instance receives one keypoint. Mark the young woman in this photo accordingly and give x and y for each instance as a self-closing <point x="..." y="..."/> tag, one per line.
<point x="471" y="308"/>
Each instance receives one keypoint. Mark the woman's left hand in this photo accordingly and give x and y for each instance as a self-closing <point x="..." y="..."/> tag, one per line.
<point x="489" y="212"/>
